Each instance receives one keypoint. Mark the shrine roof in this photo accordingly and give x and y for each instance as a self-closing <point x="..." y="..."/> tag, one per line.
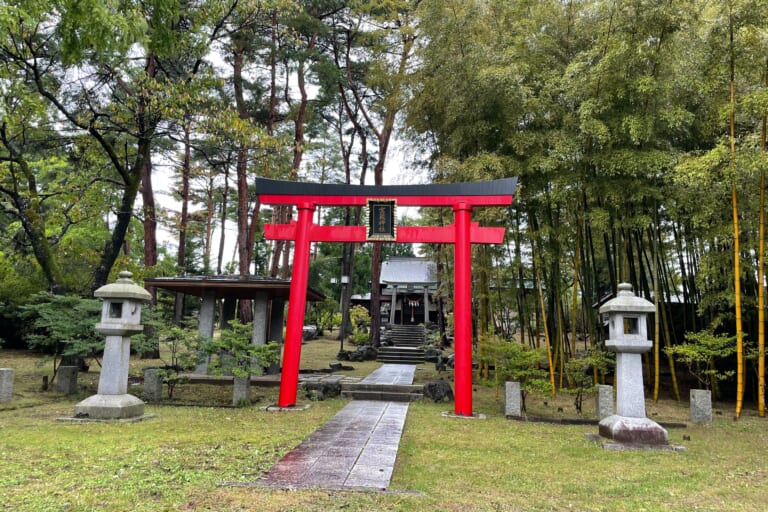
<point x="406" y="270"/>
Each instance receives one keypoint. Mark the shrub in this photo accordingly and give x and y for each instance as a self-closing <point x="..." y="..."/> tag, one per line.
<point x="237" y="354"/>
<point x="63" y="326"/>
<point x="360" y="320"/>
<point x="700" y="353"/>
<point x="581" y="372"/>
<point x="514" y="361"/>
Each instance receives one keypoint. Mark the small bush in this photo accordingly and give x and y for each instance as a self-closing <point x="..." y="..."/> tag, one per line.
<point x="63" y="326"/>
<point x="700" y="353"/>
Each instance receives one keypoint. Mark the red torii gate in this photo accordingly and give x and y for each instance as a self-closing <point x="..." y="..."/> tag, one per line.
<point x="381" y="202"/>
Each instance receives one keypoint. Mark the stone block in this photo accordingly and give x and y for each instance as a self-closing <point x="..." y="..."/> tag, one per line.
<point x="153" y="385"/>
<point x="633" y="431"/>
<point x="66" y="380"/>
<point x="512" y="399"/>
<point x="110" y="407"/>
<point x="6" y="385"/>
<point x="604" y="401"/>
<point x="241" y="391"/>
<point x="701" y="406"/>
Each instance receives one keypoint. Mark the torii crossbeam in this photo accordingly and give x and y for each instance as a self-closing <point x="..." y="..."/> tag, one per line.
<point x="381" y="201"/>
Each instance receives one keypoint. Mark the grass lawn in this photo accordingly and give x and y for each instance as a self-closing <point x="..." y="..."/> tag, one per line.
<point x="206" y="458"/>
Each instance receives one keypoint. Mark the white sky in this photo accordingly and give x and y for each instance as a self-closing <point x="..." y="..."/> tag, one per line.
<point x="399" y="170"/>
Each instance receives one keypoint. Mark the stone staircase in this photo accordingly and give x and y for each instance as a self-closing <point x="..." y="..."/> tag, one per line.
<point x="406" y="341"/>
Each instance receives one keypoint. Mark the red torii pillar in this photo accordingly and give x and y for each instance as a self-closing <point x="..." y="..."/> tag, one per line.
<point x="462" y="311"/>
<point x="461" y="197"/>
<point x="297" y="302"/>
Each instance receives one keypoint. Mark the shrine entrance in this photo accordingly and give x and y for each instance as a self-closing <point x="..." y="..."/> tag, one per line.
<point x="381" y="203"/>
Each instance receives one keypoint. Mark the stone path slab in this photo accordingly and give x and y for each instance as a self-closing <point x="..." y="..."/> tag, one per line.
<point x="392" y="374"/>
<point x="357" y="448"/>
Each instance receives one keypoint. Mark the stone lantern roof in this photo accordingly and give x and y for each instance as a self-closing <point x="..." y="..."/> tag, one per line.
<point x="627" y="302"/>
<point x="123" y="288"/>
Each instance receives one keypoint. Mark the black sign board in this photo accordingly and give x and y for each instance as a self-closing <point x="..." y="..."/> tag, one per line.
<point x="382" y="214"/>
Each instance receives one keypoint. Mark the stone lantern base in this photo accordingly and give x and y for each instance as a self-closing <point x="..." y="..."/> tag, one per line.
<point x="639" y="431"/>
<point x="110" y="407"/>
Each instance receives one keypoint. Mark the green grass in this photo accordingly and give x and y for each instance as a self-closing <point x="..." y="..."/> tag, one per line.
<point x="188" y="458"/>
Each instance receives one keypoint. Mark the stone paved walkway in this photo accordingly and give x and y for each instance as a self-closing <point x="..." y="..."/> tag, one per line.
<point x="355" y="449"/>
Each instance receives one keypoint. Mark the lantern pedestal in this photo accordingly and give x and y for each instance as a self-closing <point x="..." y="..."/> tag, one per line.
<point x="624" y="429"/>
<point x="110" y="407"/>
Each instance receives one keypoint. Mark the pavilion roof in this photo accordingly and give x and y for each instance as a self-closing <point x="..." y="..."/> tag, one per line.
<point x="236" y="287"/>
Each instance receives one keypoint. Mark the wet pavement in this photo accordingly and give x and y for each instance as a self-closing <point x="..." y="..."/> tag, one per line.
<point x="357" y="448"/>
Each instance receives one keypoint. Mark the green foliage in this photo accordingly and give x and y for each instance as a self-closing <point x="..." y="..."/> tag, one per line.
<point x="233" y="352"/>
<point x="63" y="325"/>
<point x="701" y="352"/>
<point x="360" y="320"/>
<point x="581" y="371"/>
<point x="324" y="314"/>
<point x="183" y="346"/>
<point x="514" y="361"/>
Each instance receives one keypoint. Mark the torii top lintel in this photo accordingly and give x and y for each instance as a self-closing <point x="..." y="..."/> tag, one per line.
<point x="483" y="193"/>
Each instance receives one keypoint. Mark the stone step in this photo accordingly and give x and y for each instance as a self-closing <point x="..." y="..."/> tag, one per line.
<point x="401" y="349"/>
<point x="398" y="359"/>
<point x="382" y="396"/>
<point x="407" y="344"/>
<point x="401" y="355"/>
<point x="396" y="388"/>
<point x="382" y="392"/>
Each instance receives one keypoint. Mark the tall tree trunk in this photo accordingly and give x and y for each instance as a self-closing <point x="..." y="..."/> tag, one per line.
<point x="543" y="312"/>
<point x="112" y="247"/>
<point x="761" y="273"/>
<point x="210" y="211"/>
<point x="735" y="211"/>
<point x="147" y="192"/>
<point x="223" y="220"/>
<point x="181" y="255"/>
<point x="244" y="251"/>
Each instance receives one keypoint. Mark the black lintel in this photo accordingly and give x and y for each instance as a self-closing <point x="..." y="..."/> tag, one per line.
<point x="501" y="187"/>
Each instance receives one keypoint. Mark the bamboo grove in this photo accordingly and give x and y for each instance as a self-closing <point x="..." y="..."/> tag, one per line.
<point x="637" y="130"/>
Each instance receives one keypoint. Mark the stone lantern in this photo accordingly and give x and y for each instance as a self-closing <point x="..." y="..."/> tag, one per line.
<point x="627" y="336"/>
<point x="120" y="319"/>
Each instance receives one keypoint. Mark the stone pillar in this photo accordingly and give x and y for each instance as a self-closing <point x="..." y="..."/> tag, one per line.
<point x="604" y="401"/>
<point x="260" y="320"/>
<point x="426" y="306"/>
<point x="66" y="380"/>
<point x="701" y="406"/>
<point x="630" y="393"/>
<point x="153" y="385"/>
<point x="393" y="308"/>
<point x="114" y="366"/>
<point x="512" y="399"/>
<point x="205" y="325"/>
<point x="6" y="385"/>
<point x="276" y="315"/>
<point x="241" y="391"/>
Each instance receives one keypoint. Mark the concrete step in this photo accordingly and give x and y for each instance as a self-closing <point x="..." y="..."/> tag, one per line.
<point x="382" y="396"/>
<point x="401" y="349"/>
<point x="382" y="392"/>
<point x="414" y="344"/>
<point x="387" y="360"/>
<point x="396" y="388"/>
